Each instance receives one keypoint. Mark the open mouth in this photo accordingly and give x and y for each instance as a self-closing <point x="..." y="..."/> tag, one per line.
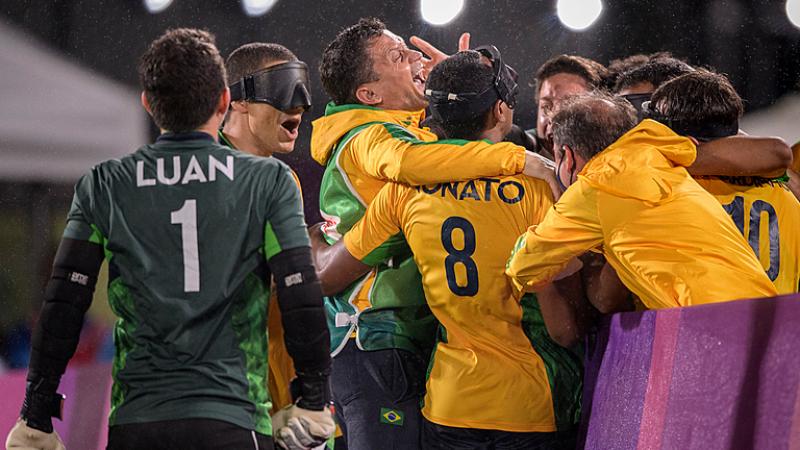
<point x="290" y="125"/>
<point x="419" y="80"/>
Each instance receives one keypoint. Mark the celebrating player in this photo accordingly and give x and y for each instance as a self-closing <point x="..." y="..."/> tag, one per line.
<point x="497" y="378"/>
<point x="764" y="210"/>
<point x="370" y="135"/>
<point x="558" y="78"/>
<point x="191" y="230"/>
<point x="270" y="93"/>
<point x="667" y="238"/>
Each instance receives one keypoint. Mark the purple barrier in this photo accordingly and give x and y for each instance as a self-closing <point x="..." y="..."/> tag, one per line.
<point x="707" y="377"/>
<point x="88" y="392"/>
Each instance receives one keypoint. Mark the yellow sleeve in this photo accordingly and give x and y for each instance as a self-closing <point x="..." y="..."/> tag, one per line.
<point x="569" y="229"/>
<point x="390" y="152"/>
<point x="380" y="222"/>
<point x="541" y="199"/>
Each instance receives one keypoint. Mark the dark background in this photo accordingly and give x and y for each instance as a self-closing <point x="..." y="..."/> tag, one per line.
<point x="751" y="41"/>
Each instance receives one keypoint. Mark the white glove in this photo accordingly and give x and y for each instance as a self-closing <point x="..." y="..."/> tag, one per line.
<point x="23" y="437"/>
<point x="295" y="428"/>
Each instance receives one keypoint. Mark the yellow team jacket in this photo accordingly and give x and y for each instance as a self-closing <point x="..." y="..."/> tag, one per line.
<point x="376" y="156"/>
<point x="485" y="372"/>
<point x="768" y="217"/>
<point x="668" y="239"/>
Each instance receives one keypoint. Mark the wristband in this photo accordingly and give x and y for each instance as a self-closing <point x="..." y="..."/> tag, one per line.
<point x="39" y="408"/>
<point x="311" y="392"/>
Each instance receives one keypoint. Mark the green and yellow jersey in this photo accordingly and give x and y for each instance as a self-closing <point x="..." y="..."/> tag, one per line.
<point x="494" y="366"/>
<point x="768" y="216"/>
<point x="363" y="148"/>
<point x="188" y="227"/>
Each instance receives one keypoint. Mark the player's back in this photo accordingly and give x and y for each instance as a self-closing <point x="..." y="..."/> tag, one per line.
<point x="495" y="363"/>
<point x="186" y="226"/>
<point x="768" y="216"/>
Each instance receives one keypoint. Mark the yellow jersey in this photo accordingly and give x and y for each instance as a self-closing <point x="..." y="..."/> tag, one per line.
<point x="768" y="216"/>
<point x="494" y="367"/>
<point x="668" y="239"/>
<point x="391" y="147"/>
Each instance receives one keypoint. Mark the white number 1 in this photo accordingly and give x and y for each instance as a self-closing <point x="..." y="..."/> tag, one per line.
<point x="187" y="218"/>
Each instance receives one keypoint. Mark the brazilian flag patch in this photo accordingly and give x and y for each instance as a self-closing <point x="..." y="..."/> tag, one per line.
<point x="392" y="416"/>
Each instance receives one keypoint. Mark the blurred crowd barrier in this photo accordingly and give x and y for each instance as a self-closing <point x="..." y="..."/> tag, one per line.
<point x="88" y="401"/>
<point x="716" y="376"/>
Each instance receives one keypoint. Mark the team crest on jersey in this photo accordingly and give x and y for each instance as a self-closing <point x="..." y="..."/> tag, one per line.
<point x="392" y="416"/>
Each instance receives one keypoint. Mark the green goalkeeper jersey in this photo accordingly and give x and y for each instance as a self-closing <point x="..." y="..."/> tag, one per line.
<point x="188" y="227"/>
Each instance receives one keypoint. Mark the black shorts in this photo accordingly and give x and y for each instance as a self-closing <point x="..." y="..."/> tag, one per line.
<point x="194" y="434"/>
<point x="377" y="396"/>
<point x="436" y="436"/>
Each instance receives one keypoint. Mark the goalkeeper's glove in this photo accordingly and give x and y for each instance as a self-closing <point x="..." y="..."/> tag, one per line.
<point x="23" y="437"/>
<point x="309" y="422"/>
<point x="301" y="429"/>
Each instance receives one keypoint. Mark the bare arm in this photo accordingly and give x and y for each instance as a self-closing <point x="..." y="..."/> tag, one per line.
<point x="604" y="289"/>
<point x="741" y="155"/>
<point x="566" y="312"/>
<point x="336" y="267"/>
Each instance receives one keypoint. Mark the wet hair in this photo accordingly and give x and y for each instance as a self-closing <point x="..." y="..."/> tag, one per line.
<point x="461" y="73"/>
<point x="594" y="73"/>
<point x="346" y="62"/>
<point x="619" y="66"/>
<point x="589" y="123"/>
<point x="252" y="57"/>
<point x="700" y="98"/>
<point x="657" y="71"/>
<point x="182" y="75"/>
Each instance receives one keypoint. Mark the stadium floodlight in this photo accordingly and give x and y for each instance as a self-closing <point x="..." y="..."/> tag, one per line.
<point x="156" y="6"/>
<point x="254" y="8"/>
<point x="793" y="12"/>
<point x="440" y="12"/>
<point x="578" y="15"/>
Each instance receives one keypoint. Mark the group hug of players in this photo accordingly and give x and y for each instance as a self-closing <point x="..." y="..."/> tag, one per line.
<point x="460" y="270"/>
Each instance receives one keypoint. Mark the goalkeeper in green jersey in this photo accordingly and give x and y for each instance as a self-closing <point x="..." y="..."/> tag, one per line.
<point x="192" y="231"/>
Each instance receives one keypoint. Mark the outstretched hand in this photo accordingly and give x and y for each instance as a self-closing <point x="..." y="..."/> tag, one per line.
<point x="433" y="55"/>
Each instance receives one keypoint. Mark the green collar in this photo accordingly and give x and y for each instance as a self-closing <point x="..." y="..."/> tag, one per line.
<point x="333" y="108"/>
<point x="224" y="139"/>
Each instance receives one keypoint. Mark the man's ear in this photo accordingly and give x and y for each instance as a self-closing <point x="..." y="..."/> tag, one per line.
<point x="568" y="157"/>
<point x="240" y="106"/>
<point x="224" y="101"/>
<point x="502" y="112"/>
<point x="496" y="116"/>
<point x="367" y="96"/>
<point x="146" y="104"/>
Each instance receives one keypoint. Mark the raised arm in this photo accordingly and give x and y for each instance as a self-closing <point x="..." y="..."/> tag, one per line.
<point x="742" y="155"/>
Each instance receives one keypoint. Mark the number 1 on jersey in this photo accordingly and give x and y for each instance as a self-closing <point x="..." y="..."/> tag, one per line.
<point x="186" y="217"/>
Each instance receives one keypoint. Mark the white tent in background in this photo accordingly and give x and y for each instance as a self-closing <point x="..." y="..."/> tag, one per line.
<point x="58" y="119"/>
<point x="781" y="119"/>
